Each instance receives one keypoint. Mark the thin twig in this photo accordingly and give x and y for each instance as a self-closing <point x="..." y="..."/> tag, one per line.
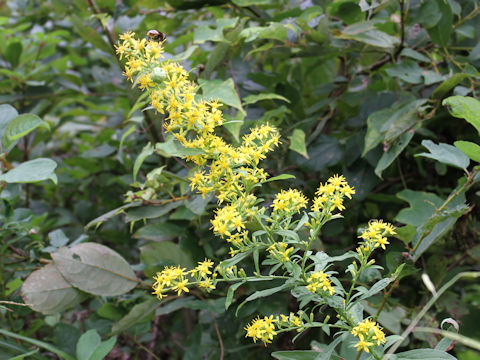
<point x="220" y="341"/>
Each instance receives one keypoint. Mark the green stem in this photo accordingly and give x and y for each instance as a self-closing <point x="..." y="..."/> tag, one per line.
<point x="41" y="344"/>
<point x="465" y="187"/>
<point x="434" y="298"/>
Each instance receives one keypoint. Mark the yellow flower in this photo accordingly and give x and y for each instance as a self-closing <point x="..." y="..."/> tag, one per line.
<point x="319" y="281"/>
<point x="262" y="329"/>
<point x="368" y="333"/>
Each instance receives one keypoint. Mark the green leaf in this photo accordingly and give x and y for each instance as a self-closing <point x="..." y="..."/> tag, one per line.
<point x="392" y="153"/>
<point x="367" y="33"/>
<point x="224" y="91"/>
<point x="20" y="126"/>
<point x="151" y="212"/>
<point x="429" y="14"/>
<point x="146" y="152"/>
<point x="231" y="292"/>
<point x="159" y="231"/>
<point x="89" y="34"/>
<point x="61" y="354"/>
<point x="466" y="108"/>
<point x="446" y="154"/>
<point x="31" y="172"/>
<point x="95" y="269"/>
<point x="326" y="354"/>
<point x="376" y="288"/>
<point x="107" y="216"/>
<point x="408" y="71"/>
<point x="245" y="3"/>
<point x="297" y="142"/>
<point x="46" y="291"/>
<point x="442" y="31"/>
<point x="171" y="148"/>
<point x="13" y="53"/>
<point x="470" y="149"/>
<point x="279" y="177"/>
<point x="422" y="206"/>
<point x="139" y="313"/>
<point x="375" y="122"/>
<point x="175" y="305"/>
<point x="295" y="355"/>
<point x="267" y="292"/>
<point x="90" y="346"/>
<point x="156" y="255"/>
<point x="7" y="114"/>
<point x="404" y="118"/>
<point x="449" y="84"/>
<point x="252" y="99"/>
<point x="424" y="354"/>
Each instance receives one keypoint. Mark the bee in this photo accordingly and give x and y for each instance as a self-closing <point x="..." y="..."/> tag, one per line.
<point x="156" y="35"/>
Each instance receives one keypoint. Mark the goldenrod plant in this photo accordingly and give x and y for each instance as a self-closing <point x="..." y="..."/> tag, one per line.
<point x="234" y="174"/>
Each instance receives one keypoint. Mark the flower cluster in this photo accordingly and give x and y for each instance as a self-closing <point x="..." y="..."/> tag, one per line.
<point x="374" y="236"/>
<point x="369" y="334"/>
<point x="174" y="278"/>
<point x="318" y="280"/>
<point x="331" y="194"/>
<point x="281" y="251"/>
<point x="289" y="202"/>
<point x="265" y="329"/>
<point x="232" y="173"/>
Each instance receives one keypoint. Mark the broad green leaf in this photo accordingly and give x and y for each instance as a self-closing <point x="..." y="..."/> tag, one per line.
<point x="13" y="53"/>
<point x="46" y="291"/>
<point x="224" y="91"/>
<point x="408" y="52"/>
<point x="274" y="31"/>
<point x="31" y="172"/>
<point x="205" y="33"/>
<point x="156" y="255"/>
<point x="441" y="32"/>
<point x="429" y="14"/>
<point x="391" y="154"/>
<point x="403" y="119"/>
<point x="174" y="305"/>
<point x="375" y="122"/>
<point x="159" y="231"/>
<point x="139" y="313"/>
<point x="437" y="226"/>
<point x="367" y="33"/>
<point x="408" y="71"/>
<point x="90" y="346"/>
<point x="151" y="212"/>
<point x="252" y="99"/>
<point x="449" y="84"/>
<point x="424" y="354"/>
<point x="470" y="149"/>
<point x="234" y="124"/>
<point x="446" y="154"/>
<point x="324" y="152"/>
<point x="89" y="34"/>
<point x="146" y="152"/>
<point x="7" y="114"/>
<point x="171" y="148"/>
<point x="466" y="108"/>
<point x="295" y="355"/>
<point x="422" y="206"/>
<point x="20" y="126"/>
<point x="95" y="269"/>
<point x="297" y="143"/>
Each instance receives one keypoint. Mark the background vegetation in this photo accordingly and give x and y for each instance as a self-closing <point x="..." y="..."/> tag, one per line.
<point x="355" y="87"/>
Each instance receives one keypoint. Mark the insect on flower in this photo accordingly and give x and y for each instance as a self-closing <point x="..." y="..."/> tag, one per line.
<point x="156" y="35"/>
